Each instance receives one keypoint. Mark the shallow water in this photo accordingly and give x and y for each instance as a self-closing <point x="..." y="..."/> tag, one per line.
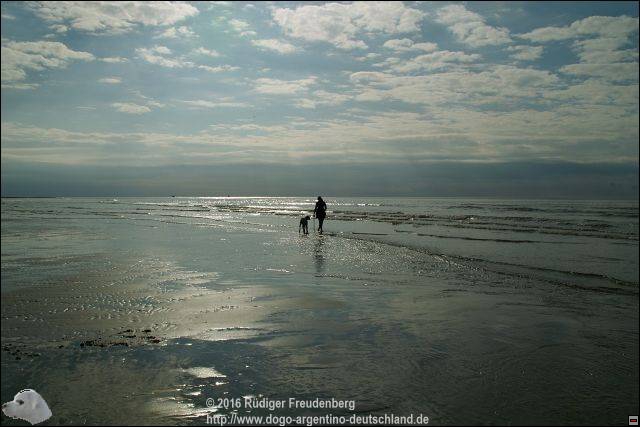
<point x="467" y="311"/>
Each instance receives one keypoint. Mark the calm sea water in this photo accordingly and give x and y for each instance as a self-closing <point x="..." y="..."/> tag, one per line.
<point x="491" y="311"/>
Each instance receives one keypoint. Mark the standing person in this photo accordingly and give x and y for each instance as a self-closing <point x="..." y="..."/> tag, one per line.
<point x="320" y="212"/>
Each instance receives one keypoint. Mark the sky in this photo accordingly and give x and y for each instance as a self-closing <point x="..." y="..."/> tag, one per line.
<point x="460" y="99"/>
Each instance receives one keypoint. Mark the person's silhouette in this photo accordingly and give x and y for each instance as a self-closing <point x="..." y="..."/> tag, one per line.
<point x="320" y="212"/>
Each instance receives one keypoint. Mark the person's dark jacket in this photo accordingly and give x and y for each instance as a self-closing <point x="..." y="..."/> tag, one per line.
<point x="320" y="210"/>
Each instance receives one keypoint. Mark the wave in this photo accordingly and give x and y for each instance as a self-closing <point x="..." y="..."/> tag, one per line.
<point x="543" y="225"/>
<point x="574" y="279"/>
<point x="492" y="240"/>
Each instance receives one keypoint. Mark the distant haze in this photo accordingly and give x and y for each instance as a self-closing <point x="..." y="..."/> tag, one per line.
<point x="508" y="180"/>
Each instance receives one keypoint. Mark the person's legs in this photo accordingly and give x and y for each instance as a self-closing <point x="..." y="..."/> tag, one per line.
<point x="320" y="221"/>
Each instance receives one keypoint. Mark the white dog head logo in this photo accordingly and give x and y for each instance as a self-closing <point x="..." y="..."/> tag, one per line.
<point x="27" y="405"/>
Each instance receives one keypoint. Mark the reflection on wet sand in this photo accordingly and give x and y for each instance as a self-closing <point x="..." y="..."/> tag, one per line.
<point x="141" y="325"/>
<point x="318" y="254"/>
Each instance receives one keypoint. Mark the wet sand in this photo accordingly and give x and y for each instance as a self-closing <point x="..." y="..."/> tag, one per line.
<point x="118" y="321"/>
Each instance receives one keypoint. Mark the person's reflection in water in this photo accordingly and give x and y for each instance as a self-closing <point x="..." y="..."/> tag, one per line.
<point x="318" y="255"/>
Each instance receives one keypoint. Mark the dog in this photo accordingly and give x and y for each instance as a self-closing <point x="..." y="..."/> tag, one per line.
<point x="304" y="224"/>
<point x="27" y="405"/>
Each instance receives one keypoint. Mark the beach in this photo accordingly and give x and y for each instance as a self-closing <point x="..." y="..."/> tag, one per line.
<point x="138" y="310"/>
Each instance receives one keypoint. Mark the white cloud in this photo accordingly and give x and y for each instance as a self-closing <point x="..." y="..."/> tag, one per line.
<point x="623" y="71"/>
<point x="502" y="112"/>
<point x="581" y="123"/>
<point x="114" y="59"/>
<point x="161" y="50"/>
<point x="601" y="57"/>
<point x="223" y="103"/>
<point x="20" y="57"/>
<point x="128" y="108"/>
<point x="470" y="28"/>
<point x="20" y="86"/>
<point x="454" y="134"/>
<point x="155" y="104"/>
<point x="432" y="61"/>
<point x="112" y="17"/>
<point x="406" y="45"/>
<point x="388" y="62"/>
<point x="600" y="39"/>
<point x="241" y="27"/>
<point x="208" y="52"/>
<point x="322" y="97"/>
<point x="59" y="28"/>
<point x="598" y="92"/>
<point x="605" y="26"/>
<point x="111" y="80"/>
<point x="602" y="50"/>
<point x="526" y="53"/>
<point x="500" y="84"/>
<point x="275" y="45"/>
<point x="149" y="102"/>
<point x="373" y="76"/>
<point x="218" y="69"/>
<point x="176" y="32"/>
<point x="367" y="57"/>
<point x="547" y="34"/>
<point x="249" y="128"/>
<point x="154" y="55"/>
<point x="340" y="24"/>
<point x="283" y="87"/>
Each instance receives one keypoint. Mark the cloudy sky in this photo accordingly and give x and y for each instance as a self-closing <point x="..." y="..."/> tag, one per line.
<point x="414" y="98"/>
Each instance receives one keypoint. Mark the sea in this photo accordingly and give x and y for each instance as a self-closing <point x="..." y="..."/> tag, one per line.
<point x="178" y="310"/>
